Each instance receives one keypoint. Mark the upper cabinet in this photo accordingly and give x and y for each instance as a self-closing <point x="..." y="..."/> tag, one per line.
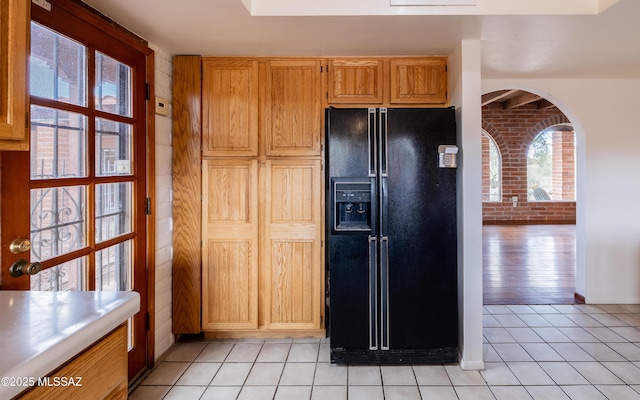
<point x="230" y="107"/>
<point x="14" y="51"/>
<point x="388" y="81"/>
<point x="355" y="81"/>
<point x="419" y="80"/>
<point x="293" y="107"/>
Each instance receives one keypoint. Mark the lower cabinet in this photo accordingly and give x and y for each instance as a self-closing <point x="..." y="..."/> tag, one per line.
<point x="230" y="245"/>
<point x="262" y="247"/>
<point x="292" y="245"/>
<point x="102" y="369"/>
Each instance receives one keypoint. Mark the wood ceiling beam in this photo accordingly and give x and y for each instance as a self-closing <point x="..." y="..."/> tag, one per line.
<point x="495" y="96"/>
<point x="544" y="104"/>
<point x="520" y="100"/>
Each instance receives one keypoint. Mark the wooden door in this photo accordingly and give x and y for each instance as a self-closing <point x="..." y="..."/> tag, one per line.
<point x="230" y="244"/>
<point x="293" y="107"/>
<point x="230" y="107"/>
<point x="14" y="52"/>
<point x="419" y="80"/>
<point x="293" y="270"/>
<point x="355" y="81"/>
<point x="82" y="192"/>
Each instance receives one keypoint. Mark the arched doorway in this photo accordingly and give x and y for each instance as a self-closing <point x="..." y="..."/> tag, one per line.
<point x="529" y="242"/>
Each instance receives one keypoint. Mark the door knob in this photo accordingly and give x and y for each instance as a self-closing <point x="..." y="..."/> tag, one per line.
<point x="22" y="267"/>
<point x="20" y="246"/>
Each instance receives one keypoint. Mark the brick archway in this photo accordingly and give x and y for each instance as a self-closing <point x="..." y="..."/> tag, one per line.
<point x="486" y="160"/>
<point x="541" y="126"/>
<point x="513" y="131"/>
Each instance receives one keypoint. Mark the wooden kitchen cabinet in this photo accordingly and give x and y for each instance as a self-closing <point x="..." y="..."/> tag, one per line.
<point x="230" y="248"/>
<point x="293" y="107"/>
<point x="14" y="52"/>
<point x="293" y="254"/>
<point x="419" y="81"/>
<point x="355" y="81"/>
<point x="387" y="81"/>
<point x="102" y="369"/>
<point x="230" y="107"/>
<point x="262" y="229"/>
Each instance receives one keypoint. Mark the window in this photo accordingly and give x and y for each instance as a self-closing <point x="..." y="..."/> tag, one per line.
<point x="491" y="169"/>
<point x="80" y="212"/>
<point x="551" y="165"/>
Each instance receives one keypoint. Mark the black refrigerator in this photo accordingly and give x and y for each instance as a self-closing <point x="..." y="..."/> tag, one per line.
<point x="391" y="235"/>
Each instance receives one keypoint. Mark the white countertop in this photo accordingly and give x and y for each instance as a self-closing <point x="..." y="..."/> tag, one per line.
<point x="39" y="331"/>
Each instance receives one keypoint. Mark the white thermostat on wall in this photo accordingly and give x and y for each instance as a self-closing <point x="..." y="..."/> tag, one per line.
<point x="447" y="156"/>
<point x="162" y="106"/>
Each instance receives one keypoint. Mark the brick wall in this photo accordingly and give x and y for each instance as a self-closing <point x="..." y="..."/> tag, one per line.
<point x="513" y="131"/>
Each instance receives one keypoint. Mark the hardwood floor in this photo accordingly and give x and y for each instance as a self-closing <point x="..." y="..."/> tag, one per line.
<point x="529" y="264"/>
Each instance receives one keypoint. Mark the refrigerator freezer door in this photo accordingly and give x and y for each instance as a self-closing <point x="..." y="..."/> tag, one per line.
<point x="352" y="253"/>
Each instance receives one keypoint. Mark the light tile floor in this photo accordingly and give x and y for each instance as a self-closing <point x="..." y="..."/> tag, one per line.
<point x="578" y="352"/>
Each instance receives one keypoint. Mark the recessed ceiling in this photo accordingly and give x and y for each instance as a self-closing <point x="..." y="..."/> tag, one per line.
<point x="597" y="44"/>
<point x="425" y="7"/>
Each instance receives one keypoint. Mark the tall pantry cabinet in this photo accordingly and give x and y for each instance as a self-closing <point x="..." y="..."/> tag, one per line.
<point x="248" y="181"/>
<point x="262" y="204"/>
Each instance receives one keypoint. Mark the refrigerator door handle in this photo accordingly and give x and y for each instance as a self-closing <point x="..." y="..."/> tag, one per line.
<point x="384" y="295"/>
<point x="373" y="147"/>
<point x="383" y="142"/>
<point x="373" y="294"/>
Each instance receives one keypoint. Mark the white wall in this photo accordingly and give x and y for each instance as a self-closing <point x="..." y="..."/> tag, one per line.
<point x="464" y="89"/>
<point x="163" y="208"/>
<point x="605" y="113"/>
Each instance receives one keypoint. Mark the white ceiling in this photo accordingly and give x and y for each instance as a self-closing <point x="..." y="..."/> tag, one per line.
<point x="528" y="46"/>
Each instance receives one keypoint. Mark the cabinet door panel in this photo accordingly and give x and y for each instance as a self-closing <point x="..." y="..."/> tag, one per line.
<point x="355" y="81"/>
<point x="419" y="81"/>
<point x="230" y="108"/>
<point x="292" y="284"/>
<point x="230" y="245"/>
<point x="293" y="258"/>
<point x="293" y="108"/>
<point x="230" y="285"/>
<point x="14" y="46"/>
<point x="102" y="368"/>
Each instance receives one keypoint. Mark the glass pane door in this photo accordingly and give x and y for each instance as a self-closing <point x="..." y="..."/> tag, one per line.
<point x="85" y="196"/>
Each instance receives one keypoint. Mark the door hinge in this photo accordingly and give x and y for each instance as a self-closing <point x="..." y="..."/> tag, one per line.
<point x="147" y="206"/>
<point x="147" y="321"/>
<point x="26" y="120"/>
<point x="147" y="89"/>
